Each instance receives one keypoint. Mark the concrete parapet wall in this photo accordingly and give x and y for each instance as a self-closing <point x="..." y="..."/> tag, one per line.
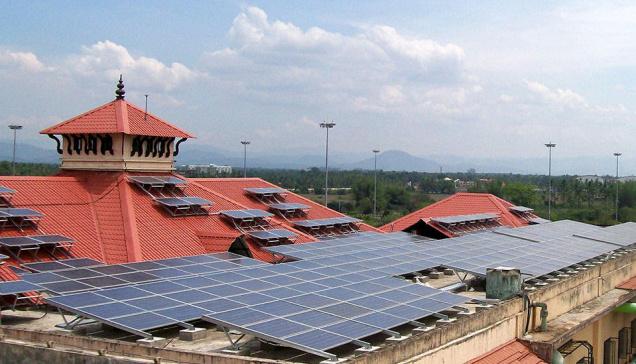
<point x="122" y="348"/>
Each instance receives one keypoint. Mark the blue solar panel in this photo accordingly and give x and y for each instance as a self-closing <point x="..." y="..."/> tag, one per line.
<point x="260" y="191"/>
<point x="288" y="206"/>
<point x="16" y="287"/>
<point x="245" y="214"/>
<point x="276" y="234"/>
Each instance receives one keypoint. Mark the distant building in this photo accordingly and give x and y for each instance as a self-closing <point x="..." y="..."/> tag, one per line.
<point x="591" y="178"/>
<point x="206" y="169"/>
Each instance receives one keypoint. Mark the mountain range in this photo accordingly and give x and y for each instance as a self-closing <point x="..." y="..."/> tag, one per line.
<point x="390" y="160"/>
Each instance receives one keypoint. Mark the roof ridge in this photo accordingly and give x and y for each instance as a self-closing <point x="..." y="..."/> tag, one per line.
<point x="505" y="214"/>
<point x="131" y="232"/>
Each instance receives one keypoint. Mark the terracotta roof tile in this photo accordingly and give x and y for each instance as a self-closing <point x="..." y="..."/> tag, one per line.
<point x="512" y="352"/>
<point x="629" y="284"/>
<point x="118" y="116"/>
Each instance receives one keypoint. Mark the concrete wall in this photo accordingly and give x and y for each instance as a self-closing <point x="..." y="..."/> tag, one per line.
<point x="84" y="345"/>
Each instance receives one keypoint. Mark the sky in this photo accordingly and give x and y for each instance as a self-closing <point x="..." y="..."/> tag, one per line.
<point x="487" y="79"/>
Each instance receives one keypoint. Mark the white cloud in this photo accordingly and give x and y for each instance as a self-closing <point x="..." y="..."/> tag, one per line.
<point x="109" y="59"/>
<point x="25" y="61"/>
<point x="565" y="97"/>
<point x="377" y="69"/>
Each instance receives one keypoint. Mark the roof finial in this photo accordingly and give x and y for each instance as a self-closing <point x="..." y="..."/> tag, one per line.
<point x="120" y="89"/>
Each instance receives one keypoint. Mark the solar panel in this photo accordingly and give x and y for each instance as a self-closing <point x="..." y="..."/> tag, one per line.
<point x="248" y="214"/>
<point x="464" y="218"/>
<point x="35" y="240"/>
<point x="264" y="190"/>
<point x="17" y="287"/>
<point x="288" y="206"/>
<point x="183" y="201"/>
<point x="521" y="209"/>
<point x="156" y="181"/>
<point x="326" y="222"/>
<point x="6" y="190"/>
<point x="19" y="212"/>
<point x="270" y="235"/>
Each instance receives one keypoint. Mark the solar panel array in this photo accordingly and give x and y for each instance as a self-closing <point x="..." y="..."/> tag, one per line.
<point x="105" y="276"/>
<point x="157" y="181"/>
<point x="464" y="218"/>
<point x="54" y="265"/>
<point x="521" y="209"/>
<point x="17" y="287"/>
<point x="6" y="191"/>
<point x="248" y="214"/>
<point x="535" y="250"/>
<point x="272" y="235"/>
<point x="183" y="201"/>
<point x="35" y="240"/>
<point x="317" y="223"/>
<point x="9" y="212"/>
<point x="291" y="303"/>
<point x="265" y="190"/>
<point x="311" y="305"/>
<point x="288" y="206"/>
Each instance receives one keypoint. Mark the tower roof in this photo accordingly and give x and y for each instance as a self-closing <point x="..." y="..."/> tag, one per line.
<point x="118" y="116"/>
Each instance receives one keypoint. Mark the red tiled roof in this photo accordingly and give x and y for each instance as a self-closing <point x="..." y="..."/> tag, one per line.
<point x="118" y="116"/>
<point x="114" y="221"/>
<point x="629" y="284"/>
<point x="512" y="352"/>
<point x="461" y="203"/>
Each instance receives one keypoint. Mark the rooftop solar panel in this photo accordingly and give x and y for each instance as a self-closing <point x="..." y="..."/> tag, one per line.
<point x="288" y="206"/>
<point x="183" y="201"/>
<point x="464" y="218"/>
<point x="265" y="190"/>
<point x="521" y="209"/>
<point x="16" y="287"/>
<point x="35" y="240"/>
<point x="245" y="214"/>
<point x="19" y="212"/>
<point x="268" y="235"/>
<point x="326" y="222"/>
<point x="157" y="181"/>
<point x="6" y="191"/>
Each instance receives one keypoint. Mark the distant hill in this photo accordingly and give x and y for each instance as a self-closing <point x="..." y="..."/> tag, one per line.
<point x="390" y="160"/>
<point x="29" y="153"/>
<point x="395" y="160"/>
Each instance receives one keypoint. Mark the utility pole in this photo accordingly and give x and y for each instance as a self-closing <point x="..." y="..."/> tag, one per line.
<point x="550" y="145"/>
<point x="375" y="181"/>
<point x="15" y="129"/>
<point x="245" y="144"/>
<point x="617" y="155"/>
<point x="327" y="126"/>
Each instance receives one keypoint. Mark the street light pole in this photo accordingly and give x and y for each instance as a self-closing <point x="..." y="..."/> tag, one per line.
<point x="15" y="129"/>
<point x="327" y="126"/>
<point x="375" y="181"/>
<point x="245" y="144"/>
<point x="617" y="155"/>
<point x="550" y="145"/>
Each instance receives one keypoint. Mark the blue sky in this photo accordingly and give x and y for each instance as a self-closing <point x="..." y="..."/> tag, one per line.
<point x="473" y="79"/>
